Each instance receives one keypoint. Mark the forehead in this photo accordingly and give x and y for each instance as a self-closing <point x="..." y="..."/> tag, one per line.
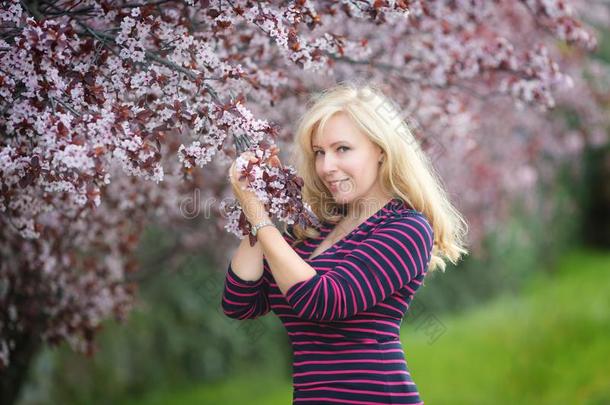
<point x="338" y="128"/>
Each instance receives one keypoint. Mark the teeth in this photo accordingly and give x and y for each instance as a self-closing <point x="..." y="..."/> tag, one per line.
<point x="337" y="182"/>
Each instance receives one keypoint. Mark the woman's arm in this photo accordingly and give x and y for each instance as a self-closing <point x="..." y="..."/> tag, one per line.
<point x="286" y="265"/>
<point x="396" y="252"/>
<point x="247" y="261"/>
<point x="245" y="294"/>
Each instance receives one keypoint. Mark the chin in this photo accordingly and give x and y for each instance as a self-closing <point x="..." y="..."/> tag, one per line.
<point x="342" y="199"/>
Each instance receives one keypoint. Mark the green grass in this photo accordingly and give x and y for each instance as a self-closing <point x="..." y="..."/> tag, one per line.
<point x="549" y="344"/>
<point x="251" y="387"/>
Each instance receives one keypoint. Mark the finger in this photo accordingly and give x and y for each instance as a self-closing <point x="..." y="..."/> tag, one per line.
<point x="250" y="156"/>
<point x="274" y="161"/>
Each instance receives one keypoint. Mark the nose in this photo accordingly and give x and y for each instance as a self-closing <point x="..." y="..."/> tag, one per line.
<point x="328" y="165"/>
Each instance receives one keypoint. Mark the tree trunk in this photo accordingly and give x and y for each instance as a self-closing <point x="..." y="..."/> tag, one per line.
<point x="15" y="375"/>
<point x="597" y="221"/>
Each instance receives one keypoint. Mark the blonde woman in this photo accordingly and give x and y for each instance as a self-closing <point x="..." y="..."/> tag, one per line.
<point x="342" y="290"/>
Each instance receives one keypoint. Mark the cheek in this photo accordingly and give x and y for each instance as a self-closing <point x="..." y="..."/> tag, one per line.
<point x="319" y="172"/>
<point x="365" y="173"/>
<point x="318" y="168"/>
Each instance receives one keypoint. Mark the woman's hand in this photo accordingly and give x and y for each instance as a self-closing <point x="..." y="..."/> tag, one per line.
<point x="236" y="184"/>
<point x="253" y="208"/>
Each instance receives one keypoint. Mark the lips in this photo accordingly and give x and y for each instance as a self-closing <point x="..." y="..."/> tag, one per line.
<point x="333" y="185"/>
<point x="336" y="181"/>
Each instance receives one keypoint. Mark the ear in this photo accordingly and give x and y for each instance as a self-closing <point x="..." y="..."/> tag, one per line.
<point x="381" y="156"/>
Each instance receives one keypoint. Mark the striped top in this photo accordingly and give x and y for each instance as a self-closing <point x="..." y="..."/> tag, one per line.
<point x="344" y="322"/>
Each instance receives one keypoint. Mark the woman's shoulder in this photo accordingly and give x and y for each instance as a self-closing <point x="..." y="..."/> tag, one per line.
<point x="408" y="213"/>
<point x="405" y="215"/>
<point x="398" y="209"/>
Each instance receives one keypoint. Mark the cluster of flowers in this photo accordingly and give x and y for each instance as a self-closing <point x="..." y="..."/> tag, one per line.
<point x="278" y="187"/>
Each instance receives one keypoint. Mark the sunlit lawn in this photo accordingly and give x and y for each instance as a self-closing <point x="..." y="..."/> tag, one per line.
<point x="549" y="344"/>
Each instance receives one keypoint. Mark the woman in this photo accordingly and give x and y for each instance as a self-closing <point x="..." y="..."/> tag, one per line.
<point x="342" y="290"/>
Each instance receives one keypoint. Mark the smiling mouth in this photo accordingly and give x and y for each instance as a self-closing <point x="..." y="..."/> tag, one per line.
<point x="334" y="185"/>
<point x="337" y="181"/>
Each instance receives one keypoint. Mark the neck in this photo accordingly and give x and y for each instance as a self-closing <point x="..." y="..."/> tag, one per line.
<point x="363" y="208"/>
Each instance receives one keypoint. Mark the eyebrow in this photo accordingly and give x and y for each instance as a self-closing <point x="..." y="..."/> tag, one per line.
<point x="332" y="144"/>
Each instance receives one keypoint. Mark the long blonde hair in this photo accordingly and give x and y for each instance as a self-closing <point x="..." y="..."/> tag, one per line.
<point x="406" y="171"/>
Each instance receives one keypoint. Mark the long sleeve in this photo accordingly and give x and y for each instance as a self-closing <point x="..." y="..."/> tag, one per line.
<point x="397" y="251"/>
<point x="244" y="299"/>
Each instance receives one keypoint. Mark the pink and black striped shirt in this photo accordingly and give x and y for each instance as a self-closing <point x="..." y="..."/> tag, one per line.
<point x="344" y="322"/>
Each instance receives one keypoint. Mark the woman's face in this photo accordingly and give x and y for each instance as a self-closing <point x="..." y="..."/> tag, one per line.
<point x="343" y="152"/>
